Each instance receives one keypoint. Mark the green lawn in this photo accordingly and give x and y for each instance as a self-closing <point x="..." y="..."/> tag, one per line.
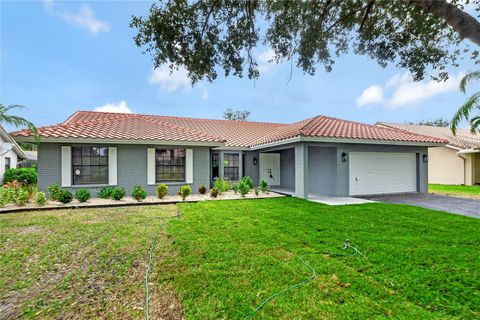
<point x="455" y="190"/>
<point x="79" y="264"/>
<point x="420" y="264"/>
<point x="220" y="259"/>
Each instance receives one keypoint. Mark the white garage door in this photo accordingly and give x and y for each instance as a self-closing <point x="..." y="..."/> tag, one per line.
<point x="382" y="172"/>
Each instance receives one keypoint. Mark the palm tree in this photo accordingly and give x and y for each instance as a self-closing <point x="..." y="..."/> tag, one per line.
<point x="472" y="103"/>
<point x="16" y="120"/>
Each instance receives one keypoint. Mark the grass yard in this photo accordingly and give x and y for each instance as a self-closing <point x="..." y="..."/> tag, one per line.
<point x="455" y="190"/>
<point x="420" y="264"/>
<point x="81" y="264"/>
<point x="220" y="259"/>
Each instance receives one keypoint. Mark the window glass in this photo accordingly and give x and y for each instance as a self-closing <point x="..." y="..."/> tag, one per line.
<point x="230" y="166"/>
<point x="7" y="163"/>
<point x="170" y="164"/>
<point x="90" y="165"/>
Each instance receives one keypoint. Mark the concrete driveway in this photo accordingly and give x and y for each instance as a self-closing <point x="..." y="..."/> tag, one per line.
<point x="466" y="207"/>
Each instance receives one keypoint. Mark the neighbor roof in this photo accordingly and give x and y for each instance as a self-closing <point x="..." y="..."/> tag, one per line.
<point x="464" y="139"/>
<point x="231" y="133"/>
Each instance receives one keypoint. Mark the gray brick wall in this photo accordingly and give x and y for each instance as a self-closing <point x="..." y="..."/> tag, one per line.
<point x="131" y="164"/>
<point x="322" y="170"/>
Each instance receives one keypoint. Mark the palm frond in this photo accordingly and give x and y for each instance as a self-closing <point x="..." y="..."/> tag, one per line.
<point x="475" y="124"/>
<point x="464" y="112"/>
<point x="16" y="120"/>
<point x="469" y="77"/>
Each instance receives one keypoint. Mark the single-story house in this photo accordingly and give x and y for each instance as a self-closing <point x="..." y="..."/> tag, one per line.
<point x="10" y="151"/>
<point x="317" y="156"/>
<point x="458" y="162"/>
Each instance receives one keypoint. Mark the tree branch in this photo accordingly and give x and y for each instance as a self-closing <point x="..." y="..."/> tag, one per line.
<point x="464" y="24"/>
<point x="365" y="16"/>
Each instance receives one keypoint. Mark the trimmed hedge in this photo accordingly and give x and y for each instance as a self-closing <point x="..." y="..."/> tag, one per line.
<point x="27" y="176"/>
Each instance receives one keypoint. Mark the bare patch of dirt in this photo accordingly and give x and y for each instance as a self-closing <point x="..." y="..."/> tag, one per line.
<point x="30" y="229"/>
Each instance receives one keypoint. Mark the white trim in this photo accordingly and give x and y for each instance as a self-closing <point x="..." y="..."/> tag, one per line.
<point x="231" y="148"/>
<point x="345" y="140"/>
<point x="189" y="165"/>
<point x="123" y="141"/>
<point x="452" y="147"/>
<point x="151" y="166"/>
<point x="112" y="166"/>
<point x="467" y="151"/>
<point x="16" y="147"/>
<point x="66" y="166"/>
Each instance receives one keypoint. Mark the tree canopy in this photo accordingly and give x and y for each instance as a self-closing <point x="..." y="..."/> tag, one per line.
<point x="240" y="115"/>
<point x="472" y="105"/>
<point x="439" y="122"/>
<point x="211" y="36"/>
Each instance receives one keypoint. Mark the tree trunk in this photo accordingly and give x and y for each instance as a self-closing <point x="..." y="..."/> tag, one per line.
<point x="464" y="24"/>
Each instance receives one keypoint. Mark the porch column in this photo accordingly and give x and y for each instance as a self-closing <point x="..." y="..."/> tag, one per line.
<point x="301" y="170"/>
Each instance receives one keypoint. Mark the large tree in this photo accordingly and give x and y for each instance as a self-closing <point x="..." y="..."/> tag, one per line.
<point x="210" y="36"/>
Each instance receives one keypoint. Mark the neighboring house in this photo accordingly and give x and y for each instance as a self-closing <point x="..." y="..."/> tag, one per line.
<point x="10" y="152"/>
<point x="30" y="160"/>
<point x="320" y="155"/>
<point x="458" y="162"/>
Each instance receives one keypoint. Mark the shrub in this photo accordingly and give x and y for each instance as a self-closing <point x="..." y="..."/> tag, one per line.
<point x="243" y="188"/>
<point x="214" y="192"/>
<point x="235" y="187"/>
<point x="82" y="195"/>
<point x="105" y="193"/>
<point x="202" y="189"/>
<point x="118" y="193"/>
<point x="162" y="190"/>
<point x="3" y="197"/>
<point x="65" y="196"/>
<point x="40" y="199"/>
<point x="263" y="186"/>
<point x="22" y="197"/>
<point x="257" y="190"/>
<point x="138" y="193"/>
<point x="53" y="191"/>
<point x="185" y="191"/>
<point x="222" y="185"/>
<point x="248" y="181"/>
<point x="27" y="176"/>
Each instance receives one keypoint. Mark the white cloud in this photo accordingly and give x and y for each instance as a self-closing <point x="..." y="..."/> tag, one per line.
<point x="410" y="92"/>
<point x="371" y="95"/>
<point x="84" y="18"/>
<point x="265" y="60"/>
<point x="120" y="107"/>
<point x="405" y="92"/>
<point x="170" y="81"/>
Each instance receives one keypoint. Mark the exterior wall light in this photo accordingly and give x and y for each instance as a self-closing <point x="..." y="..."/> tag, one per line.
<point x="255" y="161"/>
<point x="425" y="158"/>
<point x="344" y="157"/>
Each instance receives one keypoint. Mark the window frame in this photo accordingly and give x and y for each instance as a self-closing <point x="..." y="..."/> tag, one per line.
<point x="233" y="168"/>
<point x="9" y="163"/>
<point x="184" y="165"/>
<point x="73" y="165"/>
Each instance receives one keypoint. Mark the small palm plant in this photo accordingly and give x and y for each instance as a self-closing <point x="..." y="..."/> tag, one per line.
<point x="472" y="103"/>
<point x="16" y="120"/>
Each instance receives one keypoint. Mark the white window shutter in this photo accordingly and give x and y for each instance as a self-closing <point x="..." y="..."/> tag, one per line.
<point x="112" y="166"/>
<point x="151" y="166"/>
<point x="66" y="166"/>
<point x="189" y="166"/>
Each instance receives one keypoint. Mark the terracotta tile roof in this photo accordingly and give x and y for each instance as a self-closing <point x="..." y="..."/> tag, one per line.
<point x="328" y="127"/>
<point x="464" y="139"/>
<point x="118" y="126"/>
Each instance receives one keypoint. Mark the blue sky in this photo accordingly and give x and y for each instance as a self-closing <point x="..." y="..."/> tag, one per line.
<point x="60" y="57"/>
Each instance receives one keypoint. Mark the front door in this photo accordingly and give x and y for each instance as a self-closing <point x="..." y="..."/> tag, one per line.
<point x="270" y="168"/>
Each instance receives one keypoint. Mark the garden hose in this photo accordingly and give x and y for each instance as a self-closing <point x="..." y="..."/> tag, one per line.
<point x="346" y="245"/>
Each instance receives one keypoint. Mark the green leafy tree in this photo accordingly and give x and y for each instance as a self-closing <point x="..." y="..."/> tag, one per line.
<point x="440" y="122"/>
<point x="17" y="121"/>
<point x="206" y="37"/>
<point x="239" y="115"/>
<point x="471" y="105"/>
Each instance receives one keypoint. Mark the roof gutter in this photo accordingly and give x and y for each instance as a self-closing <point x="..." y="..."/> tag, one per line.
<point x="468" y="151"/>
<point x="344" y="140"/>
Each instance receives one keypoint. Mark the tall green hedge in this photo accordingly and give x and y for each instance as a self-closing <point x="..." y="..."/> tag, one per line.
<point x="27" y="176"/>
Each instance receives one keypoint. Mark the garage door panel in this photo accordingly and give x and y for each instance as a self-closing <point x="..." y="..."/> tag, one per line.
<point x="377" y="173"/>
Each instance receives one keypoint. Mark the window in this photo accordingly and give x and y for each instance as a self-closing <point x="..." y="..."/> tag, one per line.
<point x="7" y="163"/>
<point x="170" y="164"/>
<point x="90" y="165"/>
<point x="230" y="166"/>
<point x="215" y="166"/>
